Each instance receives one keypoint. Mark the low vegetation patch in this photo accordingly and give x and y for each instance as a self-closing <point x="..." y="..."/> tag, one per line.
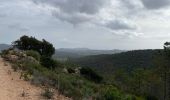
<point x="48" y="93"/>
<point x="33" y="54"/>
<point x="91" y="75"/>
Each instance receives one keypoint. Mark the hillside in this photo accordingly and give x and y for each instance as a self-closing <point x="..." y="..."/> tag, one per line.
<point x="15" y="88"/>
<point x="34" y="63"/>
<point x="64" y="53"/>
<point x="126" y="60"/>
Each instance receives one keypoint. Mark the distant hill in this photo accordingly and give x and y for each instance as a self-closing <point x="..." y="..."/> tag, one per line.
<point x="4" y="46"/>
<point x="108" y="63"/>
<point x="65" y="53"/>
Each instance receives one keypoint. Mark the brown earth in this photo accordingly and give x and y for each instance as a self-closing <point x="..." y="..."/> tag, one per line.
<point x="14" y="88"/>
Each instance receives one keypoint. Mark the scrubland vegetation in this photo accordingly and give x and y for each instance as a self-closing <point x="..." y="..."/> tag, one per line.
<point x="141" y="72"/>
<point x="34" y="59"/>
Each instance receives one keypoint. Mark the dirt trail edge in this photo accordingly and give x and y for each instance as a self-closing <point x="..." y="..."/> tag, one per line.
<point x="13" y="88"/>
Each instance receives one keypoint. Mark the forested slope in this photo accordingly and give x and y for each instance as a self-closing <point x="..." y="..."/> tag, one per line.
<point x="126" y="60"/>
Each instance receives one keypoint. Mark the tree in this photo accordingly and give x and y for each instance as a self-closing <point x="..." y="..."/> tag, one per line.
<point x="44" y="48"/>
<point x="30" y="43"/>
<point x="48" y="62"/>
<point x="163" y="63"/>
<point x="47" y="48"/>
<point x="91" y="75"/>
<point x="22" y="43"/>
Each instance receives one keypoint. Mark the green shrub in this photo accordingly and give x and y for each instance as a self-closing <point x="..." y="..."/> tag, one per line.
<point x="70" y="70"/>
<point x="109" y="93"/>
<point x="30" y="66"/>
<point x="129" y="97"/>
<point x="48" y="93"/>
<point x="91" y="75"/>
<point x="112" y="94"/>
<point x="25" y="75"/>
<point x="31" y="43"/>
<point x="48" y="62"/>
<point x="33" y="54"/>
<point x="149" y="97"/>
<point x="4" y="52"/>
<point x="15" y="67"/>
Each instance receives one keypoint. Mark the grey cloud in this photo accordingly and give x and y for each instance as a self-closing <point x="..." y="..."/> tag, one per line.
<point x="74" y="11"/>
<point x="127" y="33"/>
<point x="17" y="26"/>
<point x="80" y="11"/>
<point x="131" y="5"/>
<point x="74" y="6"/>
<point x="155" y="4"/>
<point x="119" y="25"/>
<point x="2" y="15"/>
<point x="74" y="18"/>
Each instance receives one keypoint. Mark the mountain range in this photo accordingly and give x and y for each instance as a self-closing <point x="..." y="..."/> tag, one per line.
<point x="4" y="46"/>
<point x="65" y="53"/>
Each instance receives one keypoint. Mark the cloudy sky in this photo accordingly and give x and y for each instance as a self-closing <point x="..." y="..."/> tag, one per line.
<point x="95" y="24"/>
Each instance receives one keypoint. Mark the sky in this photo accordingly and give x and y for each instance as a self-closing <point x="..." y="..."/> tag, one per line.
<point x="94" y="24"/>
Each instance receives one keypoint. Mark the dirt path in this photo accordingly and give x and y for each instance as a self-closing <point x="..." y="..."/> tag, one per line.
<point x="13" y="88"/>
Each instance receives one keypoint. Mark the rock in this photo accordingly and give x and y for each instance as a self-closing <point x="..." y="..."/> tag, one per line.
<point x="77" y="70"/>
<point x="11" y="52"/>
<point x="30" y="59"/>
<point x="13" y="58"/>
<point x="65" y="70"/>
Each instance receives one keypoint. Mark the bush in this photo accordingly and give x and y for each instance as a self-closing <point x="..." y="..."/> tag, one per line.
<point x="4" y="52"/>
<point x="48" y="62"/>
<point x="33" y="54"/>
<point x="30" y="43"/>
<point x="67" y="86"/>
<point x="70" y="70"/>
<point x="129" y="97"/>
<point x="109" y="92"/>
<point x="15" y="67"/>
<point x="91" y="75"/>
<point x="48" y="93"/>
<point x="149" y="97"/>
<point x="112" y="94"/>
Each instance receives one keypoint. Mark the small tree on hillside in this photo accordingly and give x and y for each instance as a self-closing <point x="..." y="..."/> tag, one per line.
<point x="163" y="63"/>
<point x="30" y="43"/>
<point x="44" y="48"/>
<point x="47" y="49"/>
<point x="91" y="75"/>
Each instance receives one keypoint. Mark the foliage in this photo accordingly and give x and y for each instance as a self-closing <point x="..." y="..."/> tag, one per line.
<point x="48" y="94"/>
<point x="4" y="52"/>
<point x="151" y="97"/>
<point x="48" y="62"/>
<point x="71" y="70"/>
<point x="108" y="64"/>
<point x="110" y="93"/>
<point x="33" y="54"/>
<point x="41" y="50"/>
<point x="91" y="75"/>
<point x="30" y="43"/>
